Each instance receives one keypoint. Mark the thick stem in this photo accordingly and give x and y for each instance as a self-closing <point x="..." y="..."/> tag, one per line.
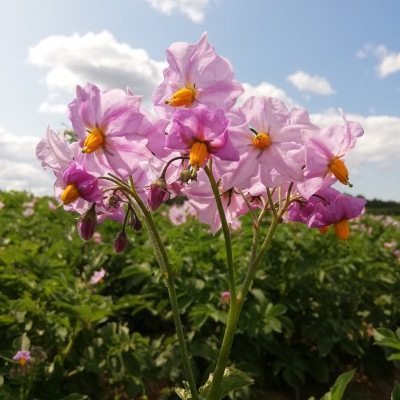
<point x="159" y="249"/>
<point x="235" y="313"/>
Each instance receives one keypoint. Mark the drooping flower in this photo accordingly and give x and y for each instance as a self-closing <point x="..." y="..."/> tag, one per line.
<point x="338" y="213"/>
<point x="107" y="124"/>
<point x="325" y="152"/>
<point x="74" y="186"/>
<point x="268" y="137"/>
<point x="97" y="276"/>
<point x="301" y="211"/>
<point x="196" y="76"/>
<point x="22" y="356"/>
<point x="81" y="184"/>
<point x="202" y="134"/>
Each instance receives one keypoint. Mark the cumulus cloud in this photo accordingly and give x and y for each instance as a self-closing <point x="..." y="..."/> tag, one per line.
<point x="315" y="84"/>
<point x="389" y="61"/>
<point x="265" y="89"/>
<point x="97" y="58"/>
<point x="194" y="9"/>
<point x="380" y="143"/>
<point x="19" y="168"/>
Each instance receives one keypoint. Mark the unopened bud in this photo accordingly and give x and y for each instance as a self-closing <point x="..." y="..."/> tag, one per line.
<point x="87" y="223"/>
<point x="185" y="176"/>
<point x="120" y="241"/>
<point x="156" y="194"/>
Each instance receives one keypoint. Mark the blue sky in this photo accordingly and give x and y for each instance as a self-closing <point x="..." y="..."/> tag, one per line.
<point x="321" y="55"/>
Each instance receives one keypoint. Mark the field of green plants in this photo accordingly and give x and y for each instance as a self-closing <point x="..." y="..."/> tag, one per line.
<point x="311" y="315"/>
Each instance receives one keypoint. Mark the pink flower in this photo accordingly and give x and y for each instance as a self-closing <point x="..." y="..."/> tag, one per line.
<point x="389" y="244"/>
<point x="177" y="215"/>
<point x="29" y="204"/>
<point x="107" y="125"/>
<point x="268" y="137"/>
<point x="78" y="183"/>
<point x="22" y="356"/>
<point x="236" y="224"/>
<point x="303" y="211"/>
<point x="203" y="134"/>
<point x="338" y="212"/>
<point x="196" y="76"/>
<point x="97" y="237"/>
<point x="225" y="297"/>
<point x="51" y="205"/>
<point x="325" y="151"/>
<point x="74" y="186"/>
<point x="1" y="205"/>
<point x="97" y="277"/>
<point x="28" y="212"/>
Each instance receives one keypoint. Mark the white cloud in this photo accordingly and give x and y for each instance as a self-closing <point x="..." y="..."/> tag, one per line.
<point x="315" y="84"/>
<point x="265" y="89"/>
<point x="389" y="61"/>
<point x="194" y="9"/>
<point x="380" y="143"/>
<point x="19" y="167"/>
<point x="97" y="58"/>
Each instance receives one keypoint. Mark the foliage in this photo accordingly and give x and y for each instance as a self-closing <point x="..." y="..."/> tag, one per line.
<point x="311" y="318"/>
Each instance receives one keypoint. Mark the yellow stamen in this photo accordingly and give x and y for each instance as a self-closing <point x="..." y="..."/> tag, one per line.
<point x="182" y="97"/>
<point x="93" y="141"/>
<point x="70" y="194"/>
<point x="342" y="229"/>
<point x="198" y="154"/>
<point x="262" y="140"/>
<point x="22" y="361"/>
<point x="338" y="169"/>
<point x="324" y="229"/>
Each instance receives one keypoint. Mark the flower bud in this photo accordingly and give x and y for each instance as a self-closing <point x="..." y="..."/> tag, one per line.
<point x="156" y="194"/>
<point x="87" y="223"/>
<point x="185" y="175"/>
<point x="120" y="241"/>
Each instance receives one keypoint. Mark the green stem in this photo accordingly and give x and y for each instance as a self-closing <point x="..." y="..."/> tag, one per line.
<point x="162" y="257"/>
<point x="227" y="234"/>
<point x="235" y="313"/>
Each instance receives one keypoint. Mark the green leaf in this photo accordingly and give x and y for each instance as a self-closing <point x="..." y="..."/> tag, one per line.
<point x="232" y="380"/>
<point x="338" y="388"/>
<point x="396" y="391"/>
<point x="23" y="342"/>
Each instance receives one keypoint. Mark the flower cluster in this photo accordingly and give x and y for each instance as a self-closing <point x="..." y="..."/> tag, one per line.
<point x="258" y="153"/>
